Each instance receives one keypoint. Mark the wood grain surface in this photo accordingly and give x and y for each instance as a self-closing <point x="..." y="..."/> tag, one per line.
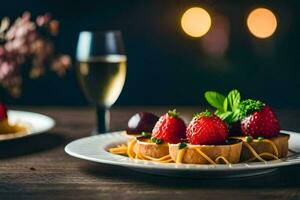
<point x="38" y="168"/>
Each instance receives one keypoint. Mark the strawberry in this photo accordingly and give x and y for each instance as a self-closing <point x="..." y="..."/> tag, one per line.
<point x="3" y="112"/>
<point x="258" y="119"/>
<point x="169" y="128"/>
<point x="207" y="129"/>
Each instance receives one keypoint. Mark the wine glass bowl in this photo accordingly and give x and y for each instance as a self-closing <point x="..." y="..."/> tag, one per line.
<point x="101" y="71"/>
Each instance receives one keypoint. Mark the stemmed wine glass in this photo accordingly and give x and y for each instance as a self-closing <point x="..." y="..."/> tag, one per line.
<point x="101" y="71"/>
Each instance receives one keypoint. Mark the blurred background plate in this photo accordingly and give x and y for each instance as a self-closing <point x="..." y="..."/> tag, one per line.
<point x="37" y="124"/>
<point x="94" y="149"/>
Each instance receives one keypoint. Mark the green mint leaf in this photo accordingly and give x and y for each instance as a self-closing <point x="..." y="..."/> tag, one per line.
<point x="235" y="116"/>
<point x="182" y="145"/>
<point x="229" y="117"/>
<point x="217" y="112"/>
<point x="225" y="116"/>
<point x="225" y="105"/>
<point x="215" y="99"/>
<point x="234" y="98"/>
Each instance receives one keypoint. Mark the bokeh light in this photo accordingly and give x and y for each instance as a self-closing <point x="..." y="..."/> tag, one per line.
<point x="196" y="22"/>
<point x="262" y="22"/>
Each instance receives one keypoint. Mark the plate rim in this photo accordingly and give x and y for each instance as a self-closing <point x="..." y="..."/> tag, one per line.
<point x="141" y="164"/>
<point x="51" y="121"/>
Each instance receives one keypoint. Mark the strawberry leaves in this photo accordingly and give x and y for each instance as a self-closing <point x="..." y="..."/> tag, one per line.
<point x="204" y="113"/>
<point x="227" y="107"/>
<point x="173" y="113"/>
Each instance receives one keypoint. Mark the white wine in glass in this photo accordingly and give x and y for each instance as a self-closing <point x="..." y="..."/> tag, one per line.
<point x="101" y="71"/>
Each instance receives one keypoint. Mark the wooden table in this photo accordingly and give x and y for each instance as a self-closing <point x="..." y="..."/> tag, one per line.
<point x="38" y="168"/>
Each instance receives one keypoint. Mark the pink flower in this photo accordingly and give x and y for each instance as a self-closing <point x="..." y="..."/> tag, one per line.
<point x="24" y="43"/>
<point x="61" y="64"/>
<point x="6" y="68"/>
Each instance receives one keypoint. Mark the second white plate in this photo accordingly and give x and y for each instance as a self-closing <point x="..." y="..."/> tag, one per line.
<point x="37" y="124"/>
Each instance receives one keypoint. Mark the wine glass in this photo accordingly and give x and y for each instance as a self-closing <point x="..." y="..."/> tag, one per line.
<point x="101" y="71"/>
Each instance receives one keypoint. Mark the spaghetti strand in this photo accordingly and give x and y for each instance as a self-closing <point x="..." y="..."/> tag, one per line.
<point x="130" y="151"/>
<point x="273" y="146"/>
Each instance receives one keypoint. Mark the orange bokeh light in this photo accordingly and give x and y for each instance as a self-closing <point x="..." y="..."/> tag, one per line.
<point x="196" y="22"/>
<point x="262" y="23"/>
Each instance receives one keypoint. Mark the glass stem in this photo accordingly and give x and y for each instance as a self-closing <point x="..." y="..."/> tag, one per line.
<point x="103" y="118"/>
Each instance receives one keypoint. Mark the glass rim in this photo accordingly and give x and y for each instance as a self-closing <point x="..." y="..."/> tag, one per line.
<point x="91" y="31"/>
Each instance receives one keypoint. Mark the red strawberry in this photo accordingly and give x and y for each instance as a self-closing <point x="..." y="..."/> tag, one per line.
<point x="3" y="112"/>
<point x="207" y="129"/>
<point x="169" y="128"/>
<point x="258" y="119"/>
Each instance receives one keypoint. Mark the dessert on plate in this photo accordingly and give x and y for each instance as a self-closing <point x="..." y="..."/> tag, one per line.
<point x="238" y="131"/>
<point x="252" y="121"/>
<point x="5" y="126"/>
<point x="260" y="128"/>
<point x="169" y="129"/>
<point x="207" y="142"/>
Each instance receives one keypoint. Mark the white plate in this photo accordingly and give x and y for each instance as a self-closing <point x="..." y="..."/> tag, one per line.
<point x="36" y="123"/>
<point x="94" y="148"/>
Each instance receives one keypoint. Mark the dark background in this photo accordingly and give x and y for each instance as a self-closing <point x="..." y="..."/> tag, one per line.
<point x="166" y="66"/>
